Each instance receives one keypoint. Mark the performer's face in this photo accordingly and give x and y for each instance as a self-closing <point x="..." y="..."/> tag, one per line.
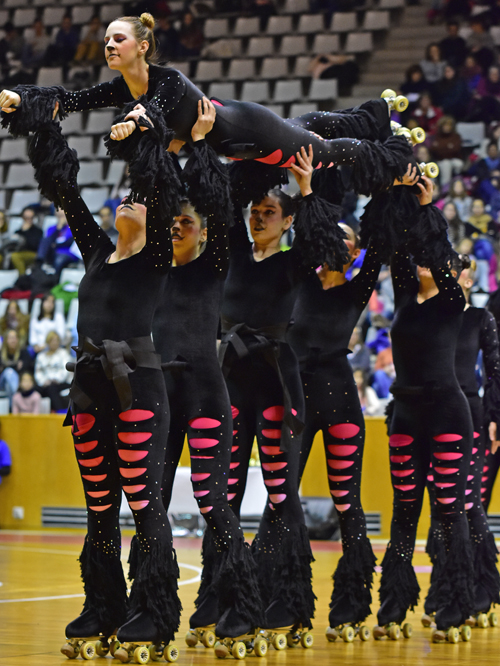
<point x="350" y="241"/>
<point x="187" y="232"/>
<point x="266" y="220"/>
<point x="121" y="47"/>
<point x="128" y="214"/>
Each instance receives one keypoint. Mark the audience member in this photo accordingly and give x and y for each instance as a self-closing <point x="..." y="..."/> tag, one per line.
<point x="26" y="400"/>
<point x="13" y="360"/>
<point x="106" y="222"/>
<point x="471" y="73"/>
<point x="51" y="375"/>
<point x="36" y="43"/>
<point x="262" y="8"/>
<point x="190" y="37"/>
<point x="28" y="237"/>
<point x="342" y="67"/>
<point x="484" y="167"/>
<point x="415" y="84"/>
<point x="451" y="94"/>
<point x="63" y="50"/>
<point x="370" y="404"/>
<point x="359" y="358"/>
<point x="11" y="48"/>
<point x="479" y="222"/>
<point x="481" y="44"/>
<point x="55" y="248"/>
<point x="433" y="65"/>
<point x="383" y="370"/>
<point x="446" y="149"/>
<point x="91" y="46"/>
<point x="486" y="103"/>
<point x="459" y="196"/>
<point x="5" y="457"/>
<point x="15" y="319"/>
<point x="453" y="47"/>
<point x="167" y="39"/>
<point x="456" y="227"/>
<point x="48" y="320"/>
<point x="426" y="115"/>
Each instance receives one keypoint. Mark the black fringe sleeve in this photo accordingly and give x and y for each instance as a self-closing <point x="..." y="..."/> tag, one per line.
<point x="56" y="164"/>
<point x="379" y="164"/>
<point x="150" y="165"/>
<point x="318" y="235"/>
<point x="329" y="183"/>
<point x="251" y="181"/>
<point x="36" y="109"/>
<point x="427" y="240"/>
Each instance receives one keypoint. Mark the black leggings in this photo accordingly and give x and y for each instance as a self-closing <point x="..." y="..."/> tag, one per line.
<point x="125" y="450"/>
<point x="425" y="431"/>
<point x="332" y="406"/>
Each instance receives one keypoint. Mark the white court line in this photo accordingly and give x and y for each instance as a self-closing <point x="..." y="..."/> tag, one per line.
<point x="194" y="579"/>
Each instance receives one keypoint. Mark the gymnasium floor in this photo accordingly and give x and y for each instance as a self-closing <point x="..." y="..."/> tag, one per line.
<point x="40" y="592"/>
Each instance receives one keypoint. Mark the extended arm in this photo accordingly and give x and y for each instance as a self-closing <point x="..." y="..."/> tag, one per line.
<point x="364" y="282"/>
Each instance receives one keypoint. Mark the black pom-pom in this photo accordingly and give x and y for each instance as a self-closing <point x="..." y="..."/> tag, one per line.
<point x="427" y="240"/>
<point x="251" y="181"/>
<point x="54" y="161"/>
<point x="36" y="109"/>
<point x="318" y="235"/>
<point x="379" y="164"/>
<point x="329" y="184"/>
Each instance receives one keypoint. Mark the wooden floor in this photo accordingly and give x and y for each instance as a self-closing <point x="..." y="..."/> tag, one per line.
<point x="40" y="592"/>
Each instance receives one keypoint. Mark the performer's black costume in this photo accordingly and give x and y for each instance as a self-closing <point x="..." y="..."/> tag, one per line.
<point x="430" y="423"/>
<point x="321" y="326"/>
<point x="185" y="333"/>
<point x="492" y="460"/>
<point x="478" y="332"/>
<point x="119" y="412"/>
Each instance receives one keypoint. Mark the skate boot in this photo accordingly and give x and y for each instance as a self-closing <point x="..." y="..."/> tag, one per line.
<point x="482" y="619"/>
<point x="430" y="608"/>
<point x="86" y="638"/>
<point x="345" y="624"/>
<point x="395" y="102"/>
<point x="203" y="622"/>
<point x="281" y="623"/>
<point x="390" y="621"/>
<point x="139" y="640"/>
<point x="237" y="638"/>
<point x="414" y="136"/>
<point x="449" y="627"/>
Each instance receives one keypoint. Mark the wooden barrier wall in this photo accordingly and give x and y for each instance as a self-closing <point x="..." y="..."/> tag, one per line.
<point x="45" y="472"/>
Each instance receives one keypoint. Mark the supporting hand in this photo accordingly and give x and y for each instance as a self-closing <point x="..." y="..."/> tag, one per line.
<point x="9" y="101"/>
<point x="303" y="170"/>
<point x="410" y="178"/>
<point x="121" y="131"/>
<point x="425" y="196"/>
<point x="206" y="119"/>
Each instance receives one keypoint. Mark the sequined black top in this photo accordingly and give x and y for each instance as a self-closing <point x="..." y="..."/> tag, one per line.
<point x="424" y="335"/>
<point x="323" y="319"/>
<point x="117" y="301"/>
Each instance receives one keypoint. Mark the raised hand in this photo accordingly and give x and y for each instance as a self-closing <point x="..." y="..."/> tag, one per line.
<point x="303" y="170"/>
<point x="9" y="101"/>
<point x="206" y="119"/>
<point x="410" y="178"/>
<point x="425" y="196"/>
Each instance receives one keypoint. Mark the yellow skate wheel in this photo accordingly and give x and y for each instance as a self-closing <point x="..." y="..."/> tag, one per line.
<point x="331" y="634"/>
<point x="307" y="640"/>
<point x="401" y="103"/>
<point x="291" y="639"/>
<point x="394" y="632"/>
<point x="141" y="654"/>
<point x="347" y="634"/>
<point x="122" y="655"/>
<point x="378" y="632"/>
<point x="418" y="135"/>
<point x="113" y="647"/>
<point x="426" y="620"/>
<point x="407" y="630"/>
<point x="155" y="654"/>
<point x="493" y="619"/>
<point x="471" y="621"/>
<point x="221" y="651"/>
<point x="431" y="170"/>
<point x="68" y="650"/>
<point x="280" y="641"/>
<point x="101" y="649"/>
<point x="239" y="650"/>
<point x="438" y="636"/>
<point x="171" y="653"/>
<point x="453" y="635"/>
<point x="465" y="633"/>
<point x="260" y="647"/>
<point x="364" y="633"/>
<point x="191" y="639"/>
<point x="482" y="620"/>
<point x="388" y="93"/>
<point x="208" y="639"/>
<point x="87" y="651"/>
<point x="404" y="131"/>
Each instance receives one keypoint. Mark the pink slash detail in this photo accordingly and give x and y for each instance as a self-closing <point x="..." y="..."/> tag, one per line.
<point x="201" y="493"/>
<point x="274" y="413"/>
<point x="91" y="462"/>
<point x="342" y="449"/>
<point x="342" y="507"/>
<point x="234" y="432"/>
<point x="446" y="500"/>
<point x="446" y="470"/>
<point x="340" y="464"/>
<point x="343" y="430"/>
<point x="206" y="509"/>
<point x="203" y="422"/>
<point x="407" y="500"/>
<point x="234" y="465"/>
<point x="133" y="437"/>
<point x="134" y="489"/>
<point x="467" y="492"/>
<point x="136" y="415"/>
<point x="447" y="437"/>
<point x="483" y="490"/>
<point x="234" y="411"/>
<point x="276" y="499"/>
<point x="132" y="473"/>
<point x="131" y="456"/>
<point x="469" y="505"/>
<point x="319" y="165"/>
<point x="273" y="158"/>
<point x="470" y="477"/>
<point x="400" y="440"/>
<point x="271" y="433"/>
<point x="485" y="468"/>
<point x="272" y="450"/>
<point x="484" y="479"/>
<point x="231" y="496"/>
<point x="97" y="493"/>
<point x="215" y="102"/>
<point x="401" y="473"/>
<point x="474" y="450"/>
<point x="199" y="477"/>
<point x="406" y="487"/>
<point x="270" y="483"/>
<point x="202" y="457"/>
<point x="94" y="478"/>
<point x="203" y="443"/>
<point x="137" y="506"/>
<point x="339" y="493"/>
<point x="83" y="422"/>
<point x="231" y="482"/>
<point x="430" y="478"/>
<point x="445" y="485"/>
<point x="399" y="459"/>
<point x="339" y="479"/>
<point x="288" y="163"/>
<point x="100" y="508"/>
<point x="448" y="456"/>
<point x="476" y="435"/>
<point x="86" y="447"/>
<point x="274" y="467"/>
<point x="234" y="448"/>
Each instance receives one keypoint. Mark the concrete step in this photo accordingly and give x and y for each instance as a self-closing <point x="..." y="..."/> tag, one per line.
<point x="384" y="79"/>
<point x="388" y="57"/>
<point x="400" y="45"/>
<point x="368" y="91"/>
<point x="350" y="102"/>
<point x="429" y="32"/>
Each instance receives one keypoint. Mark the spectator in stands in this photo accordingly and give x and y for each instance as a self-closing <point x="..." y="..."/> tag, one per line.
<point x="479" y="222"/>
<point x="451" y="94"/>
<point x="481" y="44"/>
<point x="484" y="168"/>
<point x="28" y="238"/>
<point x="26" y="400"/>
<point x="426" y="115"/>
<point x="90" y="49"/>
<point x="370" y="404"/>
<point x="470" y="72"/>
<point x="489" y="191"/>
<point x="383" y="370"/>
<point x="487" y="98"/>
<point x="51" y="375"/>
<point x="190" y="37"/>
<point x="446" y="149"/>
<point x="456" y="227"/>
<point x="453" y="47"/>
<point x="344" y="68"/>
<point x="433" y="65"/>
<point x="13" y="361"/>
<point x="11" y="48"/>
<point x="5" y="457"/>
<point x="15" y="319"/>
<point x="55" y="247"/>
<point x="63" y="50"/>
<point x="48" y="320"/>
<point x="36" y="43"/>
<point x="167" y="38"/>
<point x="415" y="84"/>
<point x="359" y="358"/>
<point x="106" y="222"/>
<point x="459" y="196"/>
<point x="262" y="8"/>
<point x="5" y="239"/>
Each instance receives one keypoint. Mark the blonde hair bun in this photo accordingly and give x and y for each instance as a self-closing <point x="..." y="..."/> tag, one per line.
<point x="147" y="20"/>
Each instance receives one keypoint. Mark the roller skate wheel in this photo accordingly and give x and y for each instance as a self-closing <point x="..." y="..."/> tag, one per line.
<point x="307" y="640"/>
<point x="141" y="654"/>
<point x="122" y="655"/>
<point x="394" y="632"/>
<point x="395" y="126"/>
<point x="482" y="620"/>
<point x="407" y="630"/>
<point x="470" y="621"/>
<point x="493" y="619"/>
<point x="364" y="633"/>
<point x="87" y="651"/>
<point x="69" y="651"/>
<point x="331" y="634"/>
<point x="101" y="649"/>
<point x="453" y="635"/>
<point x="404" y="131"/>
<point x="418" y="135"/>
<point x="221" y="651"/>
<point x="280" y="641"/>
<point x="431" y="170"/>
<point x="438" y="636"/>
<point x="291" y="640"/>
<point x="208" y="639"/>
<point x="426" y="620"/>
<point x="347" y="634"/>
<point x="260" y="647"/>
<point x="155" y="654"/>
<point x="239" y="650"/>
<point x="171" y="653"/>
<point x="249" y="646"/>
<point x="378" y="632"/>
<point x="388" y="94"/>
<point x="400" y="104"/>
<point x="113" y="647"/>
<point x="191" y="639"/>
<point x="465" y="633"/>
